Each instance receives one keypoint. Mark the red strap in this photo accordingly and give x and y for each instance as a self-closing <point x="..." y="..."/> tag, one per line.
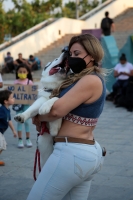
<point x="39" y="165"/>
<point x="44" y="128"/>
<point x="35" y="162"/>
<point x="37" y="158"/>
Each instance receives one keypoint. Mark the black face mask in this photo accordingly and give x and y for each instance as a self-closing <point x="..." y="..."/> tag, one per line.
<point x="77" y="64"/>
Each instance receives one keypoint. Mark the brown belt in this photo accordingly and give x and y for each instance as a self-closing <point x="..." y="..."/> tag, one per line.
<point x="74" y="140"/>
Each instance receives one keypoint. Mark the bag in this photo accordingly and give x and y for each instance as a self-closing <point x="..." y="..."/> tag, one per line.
<point x="105" y="24"/>
<point x="17" y="107"/>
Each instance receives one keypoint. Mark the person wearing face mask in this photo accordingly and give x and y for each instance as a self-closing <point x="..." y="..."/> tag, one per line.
<point x="122" y="71"/>
<point x="77" y="156"/>
<point x="23" y="77"/>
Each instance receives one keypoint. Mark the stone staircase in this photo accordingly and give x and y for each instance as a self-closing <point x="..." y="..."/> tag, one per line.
<point x="46" y="55"/>
<point x="123" y="26"/>
<point x="54" y="50"/>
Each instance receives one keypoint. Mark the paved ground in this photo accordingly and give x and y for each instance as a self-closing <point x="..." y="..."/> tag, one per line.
<point x="114" y="182"/>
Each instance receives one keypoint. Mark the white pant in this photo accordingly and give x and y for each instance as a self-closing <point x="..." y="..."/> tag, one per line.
<point x="68" y="172"/>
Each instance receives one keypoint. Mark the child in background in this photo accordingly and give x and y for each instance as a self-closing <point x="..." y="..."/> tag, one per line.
<point x="23" y="77"/>
<point x="6" y="100"/>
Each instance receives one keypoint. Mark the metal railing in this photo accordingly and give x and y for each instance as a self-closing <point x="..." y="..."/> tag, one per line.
<point x="95" y="10"/>
<point x="27" y="33"/>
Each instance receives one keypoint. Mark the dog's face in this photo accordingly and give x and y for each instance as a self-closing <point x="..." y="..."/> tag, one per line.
<point x="55" y="72"/>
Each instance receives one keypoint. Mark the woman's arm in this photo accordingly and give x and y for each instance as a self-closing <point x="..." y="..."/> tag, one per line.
<point x="128" y="74"/>
<point x="87" y="88"/>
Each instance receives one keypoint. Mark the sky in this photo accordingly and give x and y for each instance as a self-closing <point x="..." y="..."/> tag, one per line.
<point x="9" y="5"/>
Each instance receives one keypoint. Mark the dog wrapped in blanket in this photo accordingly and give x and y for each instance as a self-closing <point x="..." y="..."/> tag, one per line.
<point x="53" y="75"/>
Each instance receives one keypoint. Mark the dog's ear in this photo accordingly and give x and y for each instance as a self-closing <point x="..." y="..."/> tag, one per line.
<point x="65" y="49"/>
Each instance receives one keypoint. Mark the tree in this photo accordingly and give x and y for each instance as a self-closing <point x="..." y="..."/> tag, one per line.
<point x="84" y="7"/>
<point x="69" y="10"/>
<point x="26" y="15"/>
<point x="3" y="25"/>
<point x="94" y="3"/>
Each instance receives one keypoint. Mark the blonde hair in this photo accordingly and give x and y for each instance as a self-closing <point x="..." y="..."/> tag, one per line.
<point x="93" y="47"/>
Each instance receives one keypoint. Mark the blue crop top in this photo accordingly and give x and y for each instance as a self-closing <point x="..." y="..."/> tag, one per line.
<point x="92" y="110"/>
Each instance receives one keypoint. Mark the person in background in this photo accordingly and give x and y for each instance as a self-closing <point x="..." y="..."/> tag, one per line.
<point x="77" y="156"/>
<point x="6" y="100"/>
<point x="122" y="71"/>
<point x="1" y="81"/>
<point x="35" y="63"/>
<point x="107" y="25"/>
<point x="23" y="77"/>
<point x="20" y="60"/>
<point x="8" y="64"/>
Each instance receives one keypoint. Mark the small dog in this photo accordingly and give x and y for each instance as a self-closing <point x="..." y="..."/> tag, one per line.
<point x="53" y="75"/>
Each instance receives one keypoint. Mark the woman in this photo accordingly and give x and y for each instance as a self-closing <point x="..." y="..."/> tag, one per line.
<point x="122" y="71"/>
<point x="69" y="170"/>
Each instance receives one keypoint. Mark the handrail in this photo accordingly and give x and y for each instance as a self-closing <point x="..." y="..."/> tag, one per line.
<point x="27" y="33"/>
<point x="92" y="12"/>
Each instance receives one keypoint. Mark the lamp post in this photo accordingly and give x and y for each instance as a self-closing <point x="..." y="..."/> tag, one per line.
<point x="77" y="9"/>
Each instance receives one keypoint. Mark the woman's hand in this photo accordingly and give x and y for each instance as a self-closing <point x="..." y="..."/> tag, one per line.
<point x="37" y="122"/>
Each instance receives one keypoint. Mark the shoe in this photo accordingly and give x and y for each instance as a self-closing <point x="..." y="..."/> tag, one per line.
<point x="2" y="163"/>
<point x="28" y="143"/>
<point x="20" y="143"/>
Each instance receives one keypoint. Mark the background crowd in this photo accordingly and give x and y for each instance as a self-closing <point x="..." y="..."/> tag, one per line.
<point x="10" y="65"/>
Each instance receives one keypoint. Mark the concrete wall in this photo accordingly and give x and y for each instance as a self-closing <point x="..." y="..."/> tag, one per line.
<point x="44" y="37"/>
<point x="115" y="8"/>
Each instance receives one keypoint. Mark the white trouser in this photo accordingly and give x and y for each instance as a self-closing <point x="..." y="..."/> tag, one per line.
<point x="68" y="172"/>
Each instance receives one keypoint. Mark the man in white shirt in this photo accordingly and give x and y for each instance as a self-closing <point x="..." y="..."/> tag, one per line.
<point x="122" y="71"/>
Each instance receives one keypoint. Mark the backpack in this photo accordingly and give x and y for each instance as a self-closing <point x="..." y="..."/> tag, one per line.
<point x="105" y="24"/>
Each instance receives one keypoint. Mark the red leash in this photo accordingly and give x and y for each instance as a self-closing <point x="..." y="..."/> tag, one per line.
<point x="37" y="159"/>
<point x="44" y="129"/>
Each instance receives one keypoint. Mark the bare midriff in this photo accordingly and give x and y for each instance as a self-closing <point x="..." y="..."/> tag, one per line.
<point x="70" y="129"/>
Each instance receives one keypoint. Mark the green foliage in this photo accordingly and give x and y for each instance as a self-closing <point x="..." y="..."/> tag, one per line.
<point x="26" y="15"/>
<point x="3" y="25"/>
<point x="69" y="10"/>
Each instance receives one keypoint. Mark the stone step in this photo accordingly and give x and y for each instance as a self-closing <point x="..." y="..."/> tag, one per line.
<point x="123" y="27"/>
<point x="46" y="55"/>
